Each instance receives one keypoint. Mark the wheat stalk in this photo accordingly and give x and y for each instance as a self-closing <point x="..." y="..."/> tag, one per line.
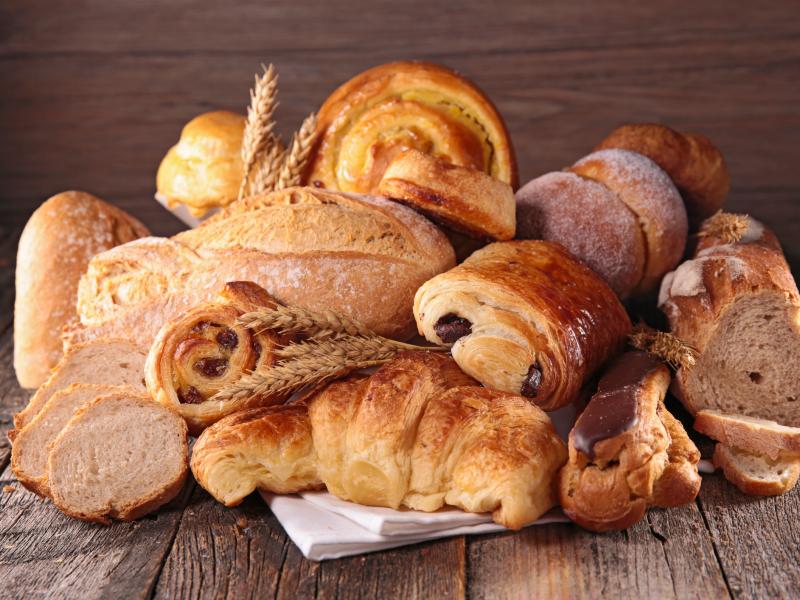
<point x="265" y="177"/>
<point x="347" y="348"/>
<point x="729" y="227"/>
<point x="297" y="157"/>
<point x="292" y="319"/>
<point x="665" y="346"/>
<point x="260" y="125"/>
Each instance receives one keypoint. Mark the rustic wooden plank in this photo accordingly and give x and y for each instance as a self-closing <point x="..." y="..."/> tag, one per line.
<point x="244" y="553"/>
<point x="757" y="540"/>
<point x="668" y="555"/>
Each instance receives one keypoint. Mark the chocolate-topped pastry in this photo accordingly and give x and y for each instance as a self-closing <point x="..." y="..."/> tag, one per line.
<point x="626" y="451"/>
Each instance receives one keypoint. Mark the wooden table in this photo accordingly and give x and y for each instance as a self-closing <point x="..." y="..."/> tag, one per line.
<point x="92" y="94"/>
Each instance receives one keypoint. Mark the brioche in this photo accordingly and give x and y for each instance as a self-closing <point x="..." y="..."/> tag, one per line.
<point x="416" y="433"/>
<point x="31" y="444"/>
<point x="204" y="169"/>
<point x="404" y="105"/>
<point x="363" y="257"/>
<point x="120" y="457"/>
<point x="524" y="317"/>
<point x="56" y="245"/>
<point x="693" y="163"/>
<point x="204" y="350"/>
<point x="737" y="304"/>
<point x="463" y="199"/>
<point x="626" y="451"/>
<point x="103" y="361"/>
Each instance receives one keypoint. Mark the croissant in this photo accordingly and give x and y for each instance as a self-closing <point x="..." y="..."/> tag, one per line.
<point x="378" y="114"/>
<point x="417" y="433"/>
<point x="626" y="451"/>
<point x="204" y="350"/>
<point x="524" y="317"/>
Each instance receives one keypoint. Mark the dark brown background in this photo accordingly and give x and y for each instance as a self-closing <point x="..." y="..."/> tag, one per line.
<point x="92" y="93"/>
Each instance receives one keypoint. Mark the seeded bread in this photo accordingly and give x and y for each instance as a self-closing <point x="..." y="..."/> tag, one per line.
<point x="32" y="442"/>
<point x="754" y="474"/>
<point x="120" y="457"/>
<point x="105" y="361"/>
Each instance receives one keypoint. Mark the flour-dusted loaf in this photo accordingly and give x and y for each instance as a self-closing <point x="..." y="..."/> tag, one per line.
<point x="737" y="304"/>
<point x="32" y="443"/>
<point x="103" y="361"/>
<point x="58" y="241"/>
<point x="363" y="257"/>
<point x="120" y="457"/>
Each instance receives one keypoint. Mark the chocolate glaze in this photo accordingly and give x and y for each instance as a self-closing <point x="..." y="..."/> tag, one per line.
<point x="532" y="381"/>
<point x="451" y="327"/>
<point x="612" y="410"/>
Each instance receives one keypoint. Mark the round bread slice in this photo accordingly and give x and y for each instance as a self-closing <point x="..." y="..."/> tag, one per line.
<point x="590" y="221"/>
<point x="755" y="436"/>
<point x="121" y="456"/>
<point x="756" y="475"/>
<point x="32" y="443"/>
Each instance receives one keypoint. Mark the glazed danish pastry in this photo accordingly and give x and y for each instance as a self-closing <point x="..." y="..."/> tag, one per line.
<point x="417" y="433"/>
<point x="626" y="451"/>
<point x="394" y="107"/>
<point x="524" y="317"/>
<point x="204" y="350"/>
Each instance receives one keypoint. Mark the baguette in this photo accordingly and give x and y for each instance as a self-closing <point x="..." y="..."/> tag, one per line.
<point x="754" y="474"/>
<point x="58" y="241"/>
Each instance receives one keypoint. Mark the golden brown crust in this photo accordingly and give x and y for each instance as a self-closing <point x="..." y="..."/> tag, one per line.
<point x="205" y="350"/>
<point x="626" y="451"/>
<point x="529" y="304"/>
<point x="695" y="165"/>
<point x="725" y="459"/>
<point x="755" y="436"/>
<point x="463" y="199"/>
<point x="204" y="169"/>
<point x="58" y="241"/>
<point x="379" y="113"/>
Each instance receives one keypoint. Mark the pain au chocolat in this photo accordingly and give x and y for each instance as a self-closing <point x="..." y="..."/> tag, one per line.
<point x="524" y="317"/>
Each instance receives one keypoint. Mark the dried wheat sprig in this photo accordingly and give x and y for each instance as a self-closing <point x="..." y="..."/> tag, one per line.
<point x="347" y="347"/>
<point x="665" y="346"/>
<point x="292" y="319"/>
<point x="297" y="156"/>
<point x="729" y="227"/>
<point x="260" y="125"/>
<point x="265" y="175"/>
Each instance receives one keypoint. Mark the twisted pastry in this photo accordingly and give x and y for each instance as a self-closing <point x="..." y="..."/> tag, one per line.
<point x="378" y="114"/>
<point x="203" y="351"/>
<point x="417" y="433"/>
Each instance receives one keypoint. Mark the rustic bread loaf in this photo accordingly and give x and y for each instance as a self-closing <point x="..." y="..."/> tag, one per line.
<point x="120" y="457"/>
<point x="364" y="257"/>
<point x="104" y="361"/>
<point x="56" y="245"/>
<point x="737" y="304"/>
<point x="32" y="443"/>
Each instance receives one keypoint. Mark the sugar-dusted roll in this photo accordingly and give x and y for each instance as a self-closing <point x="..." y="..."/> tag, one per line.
<point x="204" y="350"/>
<point x="388" y="109"/>
<point x="524" y="317"/>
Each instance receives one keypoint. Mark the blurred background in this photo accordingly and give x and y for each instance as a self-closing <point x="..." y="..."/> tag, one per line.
<point x="93" y="93"/>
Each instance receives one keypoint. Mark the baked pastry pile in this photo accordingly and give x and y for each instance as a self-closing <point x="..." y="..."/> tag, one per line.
<point x="252" y="330"/>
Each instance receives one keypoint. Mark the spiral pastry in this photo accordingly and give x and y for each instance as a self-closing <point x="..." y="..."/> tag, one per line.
<point x="203" y="351"/>
<point x="399" y="106"/>
<point x="524" y="317"/>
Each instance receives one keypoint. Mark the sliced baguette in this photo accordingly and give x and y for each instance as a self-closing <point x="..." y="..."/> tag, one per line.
<point x="104" y="361"/>
<point x="754" y="474"/>
<point x="761" y="437"/>
<point x="121" y="456"/>
<point x="32" y="442"/>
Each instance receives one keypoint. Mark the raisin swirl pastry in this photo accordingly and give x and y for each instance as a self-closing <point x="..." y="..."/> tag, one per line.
<point x="388" y="109"/>
<point x="524" y="317"/>
<point x="196" y="355"/>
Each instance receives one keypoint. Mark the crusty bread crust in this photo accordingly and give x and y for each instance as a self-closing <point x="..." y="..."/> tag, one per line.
<point x="725" y="459"/>
<point x="58" y="241"/>
<point x="755" y="436"/>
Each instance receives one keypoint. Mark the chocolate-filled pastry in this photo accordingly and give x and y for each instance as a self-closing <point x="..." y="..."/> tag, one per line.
<point x="398" y="106"/>
<point x="524" y="317"/>
<point x="417" y="433"/>
<point x="626" y="451"/>
<point x="463" y="199"/>
<point x="204" y="350"/>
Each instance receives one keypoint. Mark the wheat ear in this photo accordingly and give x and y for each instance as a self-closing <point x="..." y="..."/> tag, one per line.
<point x="729" y="227"/>
<point x="260" y="124"/>
<point x="665" y="346"/>
<point x="297" y="156"/>
<point x="292" y="319"/>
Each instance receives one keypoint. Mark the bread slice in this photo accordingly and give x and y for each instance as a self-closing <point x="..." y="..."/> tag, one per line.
<point x="754" y="436"/>
<point x="104" y="361"/>
<point x="32" y="443"/>
<point x="754" y="474"/>
<point x="121" y="456"/>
